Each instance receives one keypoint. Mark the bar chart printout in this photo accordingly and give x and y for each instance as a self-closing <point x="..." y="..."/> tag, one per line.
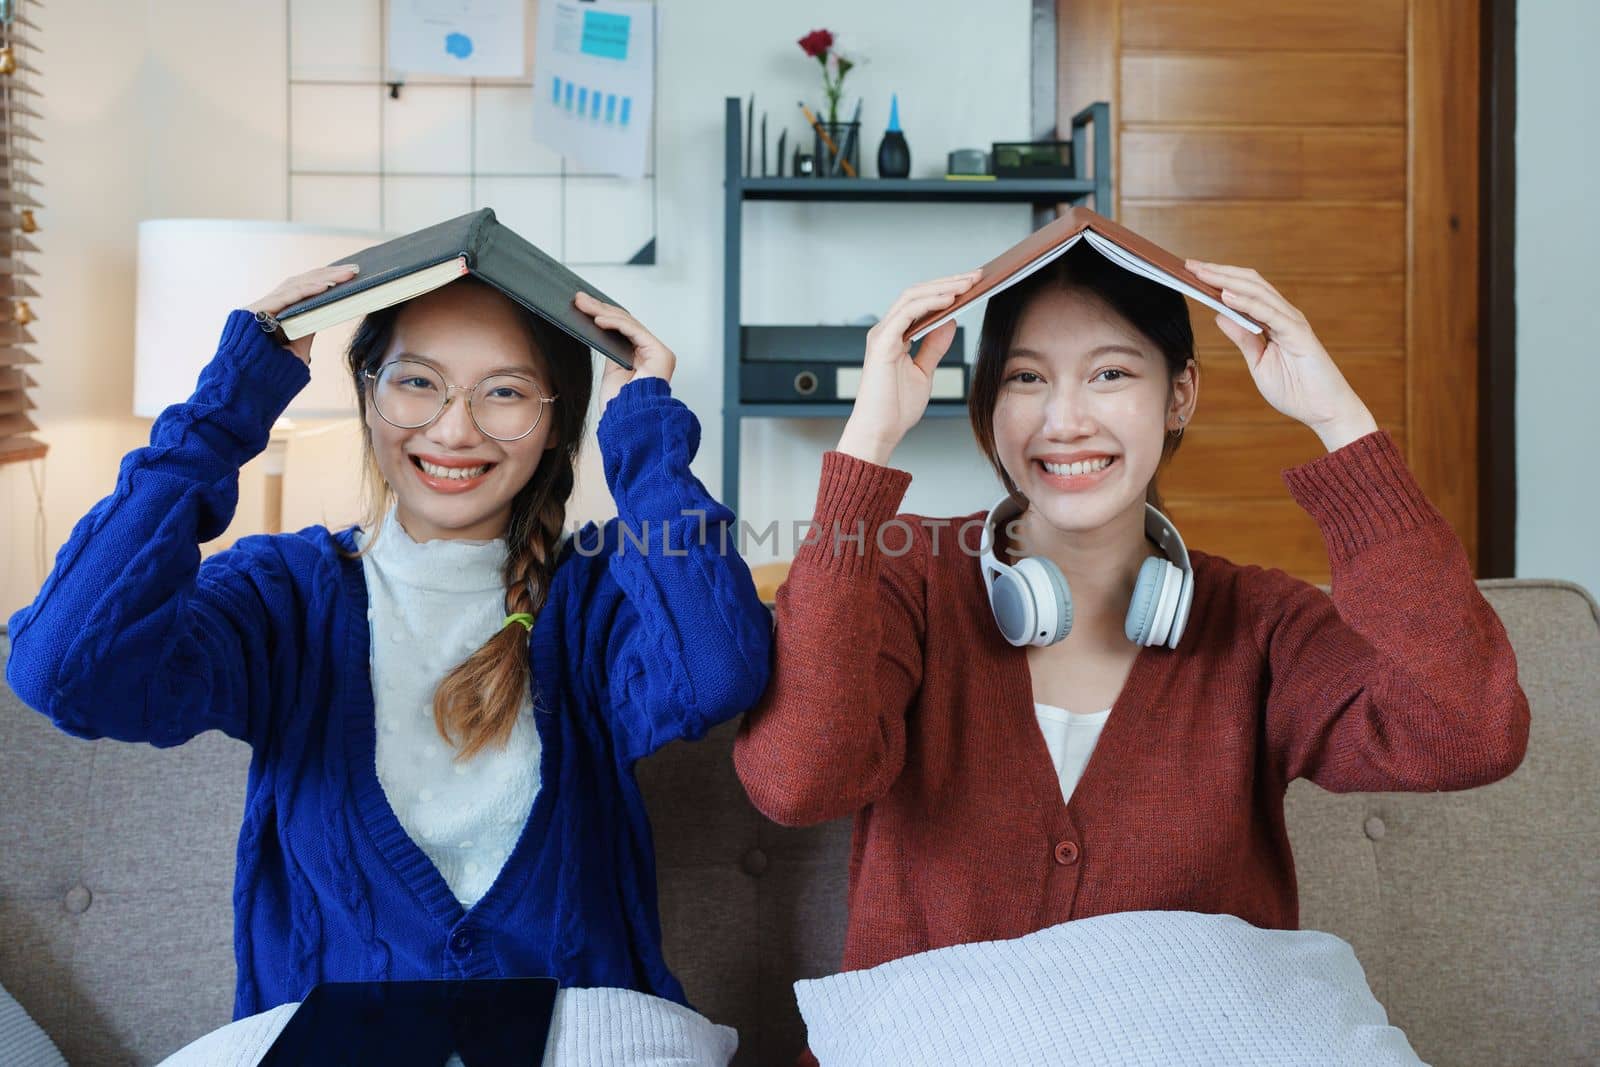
<point x="593" y="82"/>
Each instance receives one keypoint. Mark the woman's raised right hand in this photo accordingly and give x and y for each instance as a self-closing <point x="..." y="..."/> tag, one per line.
<point x="895" y="387"/>
<point x="291" y="291"/>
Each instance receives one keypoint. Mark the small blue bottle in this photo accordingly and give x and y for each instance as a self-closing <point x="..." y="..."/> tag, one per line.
<point x="894" y="155"/>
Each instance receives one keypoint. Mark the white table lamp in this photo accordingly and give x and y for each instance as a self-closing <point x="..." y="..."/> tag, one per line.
<point x="192" y="272"/>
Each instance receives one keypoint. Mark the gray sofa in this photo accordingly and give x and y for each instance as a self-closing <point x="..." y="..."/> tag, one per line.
<point x="1476" y="915"/>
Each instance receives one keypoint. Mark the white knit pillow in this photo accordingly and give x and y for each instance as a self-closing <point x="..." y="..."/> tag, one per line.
<point x="622" y="1028"/>
<point x="1141" y="988"/>
<point x="590" y="1028"/>
<point x="22" y="1042"/>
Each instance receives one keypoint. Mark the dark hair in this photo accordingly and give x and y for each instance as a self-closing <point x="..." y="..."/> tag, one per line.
<point x="477" y="703"/>
<point x="1160" y="314"/>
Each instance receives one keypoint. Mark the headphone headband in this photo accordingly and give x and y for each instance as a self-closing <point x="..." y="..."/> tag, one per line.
<point x="986" y="557"/>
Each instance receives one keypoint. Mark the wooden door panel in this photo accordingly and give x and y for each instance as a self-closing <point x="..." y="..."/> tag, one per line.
<point x="1229" y="396"/>
<point x="1241" y="461"/>
<point x="1353" y="89"/>
<point x="1270" y="532"/>
<point x="1264" y="163"/>
<point x="1350" y="315"/>
<point x="1291" y="238"/>
<point x="1442" y="296"/>
<point x="1284" y="25"/>
<point x="1352" y="312"/>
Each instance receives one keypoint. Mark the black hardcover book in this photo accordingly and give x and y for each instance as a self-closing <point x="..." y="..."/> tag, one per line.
<point x="818" y="344"/>
<point x="476" y="244"/>
<point x="770" y="382"/>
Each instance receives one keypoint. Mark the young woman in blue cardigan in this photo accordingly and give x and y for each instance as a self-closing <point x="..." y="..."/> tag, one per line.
<point x="445" y="704"/>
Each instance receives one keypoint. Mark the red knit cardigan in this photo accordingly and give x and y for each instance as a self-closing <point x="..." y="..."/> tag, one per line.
<point x="895" y="699"/>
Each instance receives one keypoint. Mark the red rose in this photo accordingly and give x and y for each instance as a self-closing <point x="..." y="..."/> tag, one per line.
<point x="816" y="43"/>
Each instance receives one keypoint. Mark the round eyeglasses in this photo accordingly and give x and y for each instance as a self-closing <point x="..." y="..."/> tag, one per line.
<point x="409" y="395"/>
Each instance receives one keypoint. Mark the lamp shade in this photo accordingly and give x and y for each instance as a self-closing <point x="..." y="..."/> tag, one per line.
<point x="192" y="272"/>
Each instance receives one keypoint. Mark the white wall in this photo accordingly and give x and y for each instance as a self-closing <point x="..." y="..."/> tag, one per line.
<point x="177" y="109"/>
<point x="1558" y="342"/>
<point x="964" y="83"/>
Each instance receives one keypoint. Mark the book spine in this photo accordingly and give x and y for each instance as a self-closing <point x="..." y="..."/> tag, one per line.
<point x="480" y="237"/>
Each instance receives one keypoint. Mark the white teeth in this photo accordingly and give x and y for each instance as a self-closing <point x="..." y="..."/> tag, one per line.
<point x="1084" y="467"/>
<point x="453" y="473"/>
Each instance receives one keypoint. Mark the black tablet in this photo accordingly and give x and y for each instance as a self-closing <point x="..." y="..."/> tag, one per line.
<point x="487" y="1022"/>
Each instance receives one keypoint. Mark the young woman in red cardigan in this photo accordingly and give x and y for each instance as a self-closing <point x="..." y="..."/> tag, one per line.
<point x="1131" y="751"/>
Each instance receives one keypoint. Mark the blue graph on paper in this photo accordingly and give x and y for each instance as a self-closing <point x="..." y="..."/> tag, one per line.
<point x="591" y="104"/>
<point x="605" y="35"/>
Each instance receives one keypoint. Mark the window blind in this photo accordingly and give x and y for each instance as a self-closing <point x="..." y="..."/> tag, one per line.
<point x="19" y="98"/>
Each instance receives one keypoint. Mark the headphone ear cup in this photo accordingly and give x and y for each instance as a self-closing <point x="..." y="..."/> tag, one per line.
<point x="1012" y="604"/>
<point x="1166" y="605"/>
<point x="1062" y="595"/>
<point x="1141" y="619"/>
<point x="1181" y="620"/>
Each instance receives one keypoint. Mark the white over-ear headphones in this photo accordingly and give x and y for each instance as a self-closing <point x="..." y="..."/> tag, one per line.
<point x="1033" y="605"/>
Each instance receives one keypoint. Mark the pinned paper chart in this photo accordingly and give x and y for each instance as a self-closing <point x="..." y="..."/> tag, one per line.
<point x="594" y="82"/>
<point x="469" y="38"/>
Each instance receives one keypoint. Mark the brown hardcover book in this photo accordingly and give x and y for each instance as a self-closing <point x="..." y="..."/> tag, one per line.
<point x="1117" y="243"/>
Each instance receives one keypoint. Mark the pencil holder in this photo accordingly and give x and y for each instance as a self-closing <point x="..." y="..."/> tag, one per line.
<point x="846" y="137"/>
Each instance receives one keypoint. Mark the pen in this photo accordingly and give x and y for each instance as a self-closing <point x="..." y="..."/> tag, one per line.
<point x="850" y="136"/>
<point x="822" y="133"/>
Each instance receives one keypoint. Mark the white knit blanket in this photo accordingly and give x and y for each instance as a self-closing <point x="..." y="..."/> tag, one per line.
<point x="1145" y="987"/>
<point x="590" y="1028"/>
<point x="22" y="1042"/>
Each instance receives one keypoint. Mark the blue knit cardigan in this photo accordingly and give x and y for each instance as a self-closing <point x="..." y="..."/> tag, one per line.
<point x="133" y="637"/>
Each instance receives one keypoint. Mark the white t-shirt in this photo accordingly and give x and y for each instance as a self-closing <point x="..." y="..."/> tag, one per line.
<point x="429" y="607"/>
<point x="1071" y="738"/>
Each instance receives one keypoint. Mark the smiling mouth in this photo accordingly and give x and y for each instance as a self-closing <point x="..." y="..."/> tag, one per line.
<point x="1079" y="469"/>
<point x="456" y="474"/>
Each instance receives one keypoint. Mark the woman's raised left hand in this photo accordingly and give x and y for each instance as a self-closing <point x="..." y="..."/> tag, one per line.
<point x="651" y="358"/>
<point x="1289" y="365"/>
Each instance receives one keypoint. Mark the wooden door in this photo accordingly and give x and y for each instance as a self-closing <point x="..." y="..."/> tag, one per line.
<point x="1333" y="147"/>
